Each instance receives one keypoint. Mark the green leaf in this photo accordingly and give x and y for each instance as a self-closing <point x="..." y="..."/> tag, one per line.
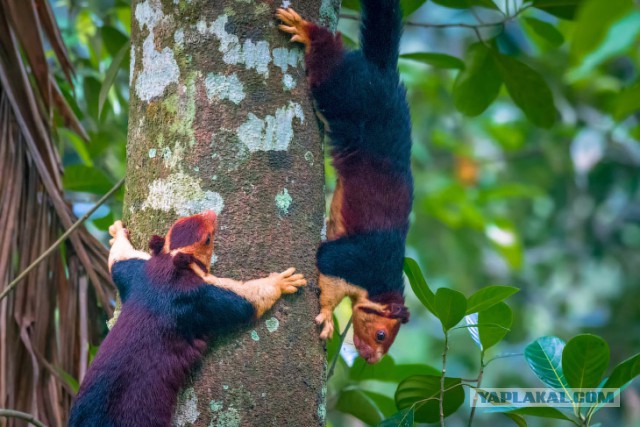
<point x="385" y="404"/>
<point x="565" y="9"/>
<point x="519" y="420"/>
<point x="594" y="19"/>
<point x="628" y="101"/>
<point x="78" y="144"/>
<point x="466" y="4"/>
<point x="351" y="4"/>
<point x="541" y="411"/>
<point x="585" y="359"/>
<point x="544" y="356"/>
<point x="111" y="75"/>
<point x="451" y="307"/>
<point x="404" y="418"/>
<point x="68" y="379"/>
<point x="419" y="285"/>
<point x="387" y="370"/>
<point x="545" y="30"/>
<point x="357" y="403"/>
<point x="624" y="372"/>
<point x="489" y="296"/>
<point x="424" y="392"/>
<point x="477" y="86"/>
<point x="528" y="90"/>
<point x="333" y="345"/>
<point x="438" y="60"/>
<point x="410" y="6"/>
<point x="113" y="39"/>
<point x="494" y="324"/>
<point x="85" y="179"/>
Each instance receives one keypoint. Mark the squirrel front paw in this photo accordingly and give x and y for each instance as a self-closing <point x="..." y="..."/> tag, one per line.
<point x="117" y="229"/>
<point x="293" y="24"/>
<point x="325" y="317"/>
<point x="287" y="282"/>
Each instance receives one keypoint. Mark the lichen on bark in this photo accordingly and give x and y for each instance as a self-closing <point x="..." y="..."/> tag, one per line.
<point x="220" y="118"/>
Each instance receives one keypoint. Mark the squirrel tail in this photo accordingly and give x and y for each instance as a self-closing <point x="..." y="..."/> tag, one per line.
<point x="380" y="32"/>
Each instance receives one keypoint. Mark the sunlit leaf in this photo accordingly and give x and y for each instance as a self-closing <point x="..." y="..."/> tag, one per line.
<point x="438" y="60"/>
<point x="477" y="86"/>
<point x="489" y="296"/>
<point x="544" y="356"/>
<point x="593" y="21"/>
<point x="419" y="284"/>
<point x="585" y="359"/>
<point x="528" y="90"/>
<point x="451" y="307"/>
<point x="624" y="372"/>
<point x="494" y="324"/>
<point x="424" y="393"/>
<point x="111" y="74"/>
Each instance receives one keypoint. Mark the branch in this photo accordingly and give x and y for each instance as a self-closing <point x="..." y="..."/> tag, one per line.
<point x="61" y="239"/>
<point x="10" y="413"/>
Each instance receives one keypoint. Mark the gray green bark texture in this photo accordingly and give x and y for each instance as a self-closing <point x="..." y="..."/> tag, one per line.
<point x="221" y="118"/>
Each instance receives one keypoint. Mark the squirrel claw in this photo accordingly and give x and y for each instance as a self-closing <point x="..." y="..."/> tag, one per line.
<point x="327" y="319"/>
<point x="116" y="230"/>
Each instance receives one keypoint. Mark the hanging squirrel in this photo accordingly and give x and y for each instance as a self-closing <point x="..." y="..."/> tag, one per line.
<point x="360" y="99"/>
<point x="171" y="306"/>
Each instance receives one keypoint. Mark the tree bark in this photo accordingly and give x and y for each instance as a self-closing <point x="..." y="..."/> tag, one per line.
<point x="220" y="118"/>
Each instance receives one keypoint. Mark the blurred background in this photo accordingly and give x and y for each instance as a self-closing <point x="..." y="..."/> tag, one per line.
<point x="500" y="198"/>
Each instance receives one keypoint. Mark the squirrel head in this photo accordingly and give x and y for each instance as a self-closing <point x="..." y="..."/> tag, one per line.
<point x="375" y="326"/>
<point x="189" y="240"/>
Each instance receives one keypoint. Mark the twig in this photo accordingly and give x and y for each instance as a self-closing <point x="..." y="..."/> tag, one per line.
<point x="343" y="335"/>
<point x="10" y="413"/>
<point x="61" y="239"/>
<point x="442" y="378"/>
<point x="479" y="383"/>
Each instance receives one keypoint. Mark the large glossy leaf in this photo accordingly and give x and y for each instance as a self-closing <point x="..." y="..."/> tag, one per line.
<point x="585" y="359"/>
<point x="494" y="324"/>
<point x="477" y="86"/>
<point x="545" y="30"/>
<point x="541" y="411"/>
<point x="565" y="9"/>
<point x="404" y="418"/>
<point x="419" y="285"/>
<point x="593" y="22"/>
<point x="465" y="4"/>
<point x="451" y="307"/>
<point x="356" y="402"/>
<point x="544" y="356"/>
<point x="472" y="319"/>
<point x="387" y="370"/>
<point x="528" y="90"/>
<point x="624" y="372"/>
<point x="438" y="60"/>
<point x="489" y="296"/>
<point x="424" y="392"/>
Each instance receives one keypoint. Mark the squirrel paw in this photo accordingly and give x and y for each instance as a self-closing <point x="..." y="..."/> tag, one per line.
<point x="287" y="282"/>
<point x="117" y="230"/>
<point x="294" y="24"/>
<point x="325" y="317"/>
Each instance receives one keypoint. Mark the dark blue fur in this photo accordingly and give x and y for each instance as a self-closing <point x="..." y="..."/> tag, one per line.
<point x="372" y="260"/>
<point x="167" y="314"/>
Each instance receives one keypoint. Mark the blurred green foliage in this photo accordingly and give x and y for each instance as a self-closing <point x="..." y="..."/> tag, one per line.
<point x="526" y="162"/>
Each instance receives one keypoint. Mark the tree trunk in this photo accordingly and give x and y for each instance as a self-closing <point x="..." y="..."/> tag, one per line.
<point x="220" y="118"/>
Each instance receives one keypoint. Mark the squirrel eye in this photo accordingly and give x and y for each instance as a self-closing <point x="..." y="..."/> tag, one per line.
<point x="380" y="336"/>
<point x="208" y="241"/>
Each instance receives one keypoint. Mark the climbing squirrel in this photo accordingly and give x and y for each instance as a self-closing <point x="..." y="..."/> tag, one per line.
<point x="359" y="97"/>
<point x="171" y="306"/>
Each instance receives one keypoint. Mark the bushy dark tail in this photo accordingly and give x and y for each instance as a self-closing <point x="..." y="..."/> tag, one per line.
<point x="380" y="31"/>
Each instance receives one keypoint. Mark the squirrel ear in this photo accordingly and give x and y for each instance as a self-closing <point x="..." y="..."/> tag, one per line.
<point x="398" y="311"/>
<point x="156" y="244"/>
<point x="182" y="260"/>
